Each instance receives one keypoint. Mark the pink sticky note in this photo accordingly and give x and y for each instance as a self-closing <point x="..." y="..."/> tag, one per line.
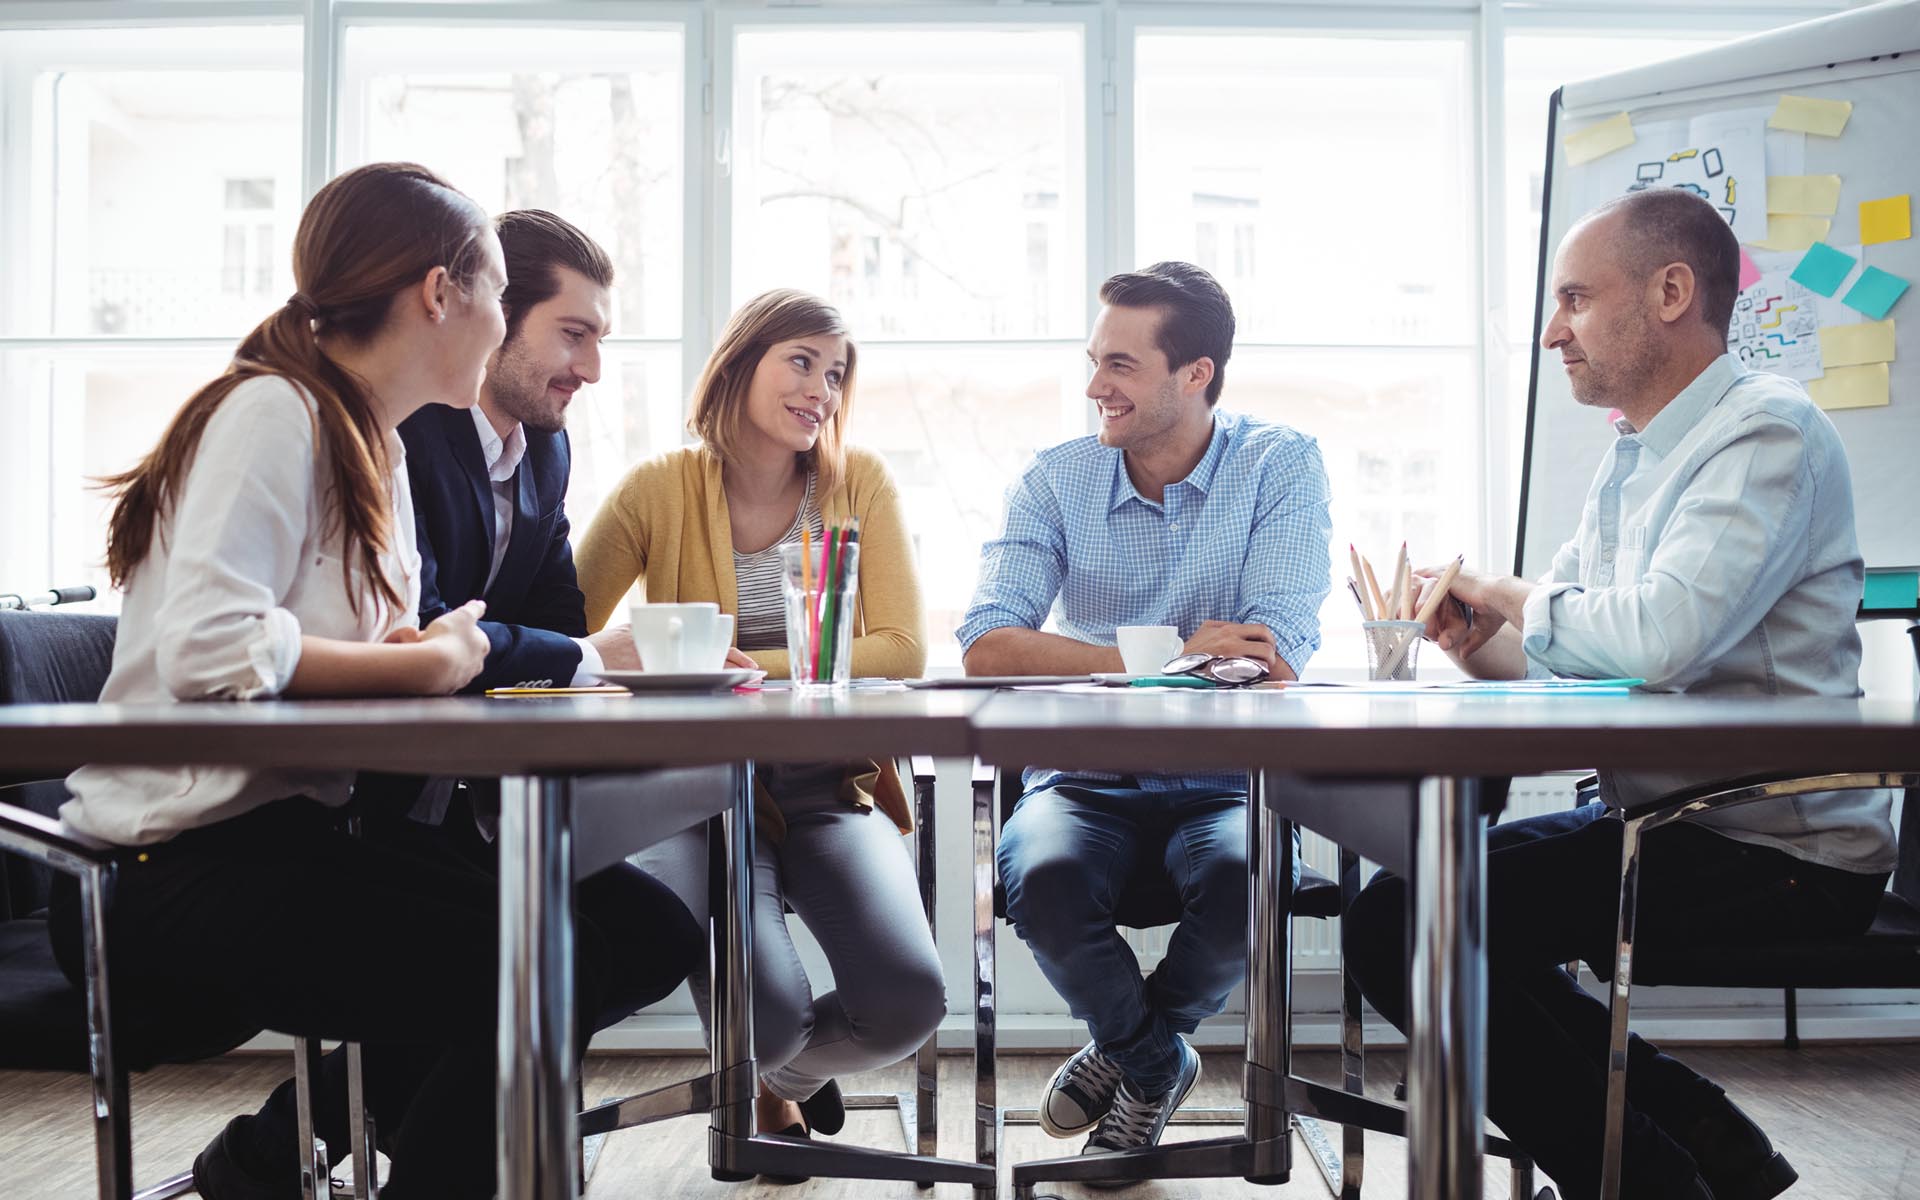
<point x="1749" y="274"/>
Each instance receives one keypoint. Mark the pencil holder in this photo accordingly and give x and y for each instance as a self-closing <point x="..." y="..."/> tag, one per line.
<point x="821" y="583"/>
<point x="1392" y="647"/>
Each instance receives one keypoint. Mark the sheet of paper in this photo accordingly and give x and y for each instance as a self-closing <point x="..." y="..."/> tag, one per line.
<point x="1851" y="387"/>
<point x="1720" y="157"/>
<point x="1808" y="114"/>
<point x="1886" y="220"/>
<point x="1810" y="195"/>
<point x="1792" y="233"/>
<point x="1749" y="273"/>
<point x="1857" y="344"/>
<point x="1775" y="328"/>
<point x="1892" y="589"/>
<point x="1875" y="292"/>
<point x="1596" y="141"/>
<point x="1731" y="170"/>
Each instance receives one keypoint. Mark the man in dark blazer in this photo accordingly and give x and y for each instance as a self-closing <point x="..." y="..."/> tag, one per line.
<point x="489" y="489"/>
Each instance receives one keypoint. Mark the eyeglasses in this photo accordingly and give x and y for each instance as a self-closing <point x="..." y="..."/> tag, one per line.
<point x="1222" y="669"/>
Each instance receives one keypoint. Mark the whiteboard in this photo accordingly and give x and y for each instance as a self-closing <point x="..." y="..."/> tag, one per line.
<point x="1870" y="57"/>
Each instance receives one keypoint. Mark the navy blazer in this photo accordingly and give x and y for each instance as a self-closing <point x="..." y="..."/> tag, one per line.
<point x="534" y="608"/>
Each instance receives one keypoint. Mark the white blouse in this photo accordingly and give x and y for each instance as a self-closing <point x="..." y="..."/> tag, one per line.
<point x="243" y="567"/>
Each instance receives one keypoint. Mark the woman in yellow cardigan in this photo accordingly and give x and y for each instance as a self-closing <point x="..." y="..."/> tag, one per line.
<point x="706" y="522"/>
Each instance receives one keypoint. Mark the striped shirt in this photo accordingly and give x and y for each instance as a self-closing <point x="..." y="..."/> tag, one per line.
<point x="1242" y="538"/>
<point x="763" y="613"/>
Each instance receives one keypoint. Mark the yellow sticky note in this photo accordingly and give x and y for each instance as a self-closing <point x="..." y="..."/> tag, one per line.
<point x="1888" y="220"/>
<point x="1814" y="195"/>
<point x="1612" y="134"/>
<point x="1808" y="115"/>
<point x="1855" y="345"/>
<point x="1794" y="233"/>
<point x="1851" y="387"/>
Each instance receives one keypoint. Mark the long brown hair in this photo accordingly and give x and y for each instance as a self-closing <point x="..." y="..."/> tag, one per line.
<point x="363" y="238"/>
<point x="720" y="396"/>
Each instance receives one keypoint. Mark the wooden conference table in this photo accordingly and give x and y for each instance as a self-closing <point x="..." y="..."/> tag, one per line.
<point x="1390" y="776"/>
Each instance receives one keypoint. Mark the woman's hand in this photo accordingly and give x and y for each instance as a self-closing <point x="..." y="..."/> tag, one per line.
<point x="735" y="658"/>
<point x="457" y="649"/>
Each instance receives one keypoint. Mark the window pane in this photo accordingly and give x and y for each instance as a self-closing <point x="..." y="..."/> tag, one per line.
<point x="81" y="416"/>
<point x="1392" y="430"/>
<point x="123" y="213"/>
<point x="584" y="122"/>
<point x="958" y="425"/>
<point x="633" y="412"/>
<point x="1324" y="180"/>
<point x="869" y="170"/>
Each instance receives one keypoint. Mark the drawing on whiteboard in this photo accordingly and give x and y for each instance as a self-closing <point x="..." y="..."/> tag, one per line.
<point x="1720" y="157"/>
<point x="1776" y="328"/>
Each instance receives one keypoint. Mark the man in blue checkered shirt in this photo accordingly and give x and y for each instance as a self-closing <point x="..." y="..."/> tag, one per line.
<point x="1175" y="514"/>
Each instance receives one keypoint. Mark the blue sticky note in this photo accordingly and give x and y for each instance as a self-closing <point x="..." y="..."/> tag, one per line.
<point x="1822" y="269"/>
<point x="1874" y="292"/>
<point x="1892" y="589"/>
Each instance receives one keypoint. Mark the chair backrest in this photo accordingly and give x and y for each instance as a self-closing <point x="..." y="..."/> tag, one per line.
<point x="45" y="658"/>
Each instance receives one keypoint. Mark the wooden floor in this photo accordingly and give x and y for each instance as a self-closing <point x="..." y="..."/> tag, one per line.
<point x="1847" y="1116"/>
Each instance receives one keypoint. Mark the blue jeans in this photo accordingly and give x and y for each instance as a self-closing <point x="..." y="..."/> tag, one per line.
<point x="1071" y="856"/>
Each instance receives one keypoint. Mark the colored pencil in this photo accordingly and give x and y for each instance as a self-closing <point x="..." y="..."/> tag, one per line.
<point x="806" y="572"/>
<point x="1379" y="609"/>
<point x="1439" y="592"/>
<point x="1353" y="555"/>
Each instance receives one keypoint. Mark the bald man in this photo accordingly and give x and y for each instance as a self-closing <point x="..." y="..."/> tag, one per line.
<point x="1715" y="556"/>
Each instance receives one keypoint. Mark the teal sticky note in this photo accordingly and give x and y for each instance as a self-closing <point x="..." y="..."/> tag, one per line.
<point x="1823" y="269"/>
<point x="1892" y="589"/>
<point x="1874" y="292"/>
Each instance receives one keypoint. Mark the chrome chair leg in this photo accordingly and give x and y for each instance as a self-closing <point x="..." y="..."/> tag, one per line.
<point x="926" y="1061"/>
<point x="986" y="1099"/>
<point x="1618" y="1000"/>
<point x="112" y="1118"/>
<point x="1353" y="1049"/>
<point x="366" y="1165"/>
<point x="315" y="1183"/>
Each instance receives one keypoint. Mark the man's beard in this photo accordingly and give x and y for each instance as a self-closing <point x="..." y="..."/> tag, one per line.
<point x="1629" y="365"/>
<point x="520" y="392"/>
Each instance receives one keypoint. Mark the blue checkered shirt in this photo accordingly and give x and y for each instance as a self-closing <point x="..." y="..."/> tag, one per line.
<point x="1242" y="538"/>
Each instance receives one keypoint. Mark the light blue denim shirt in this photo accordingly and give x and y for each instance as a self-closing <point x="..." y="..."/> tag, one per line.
<point x="1716" y="556"/>
<point x="1242" y="538"/>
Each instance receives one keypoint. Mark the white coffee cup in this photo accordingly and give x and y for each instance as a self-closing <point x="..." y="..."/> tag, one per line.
<point x="1144" y="649"/>
<point x="680" y="638"/>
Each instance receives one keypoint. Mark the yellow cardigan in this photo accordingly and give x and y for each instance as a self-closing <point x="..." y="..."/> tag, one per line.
<point x="666" y="526"/>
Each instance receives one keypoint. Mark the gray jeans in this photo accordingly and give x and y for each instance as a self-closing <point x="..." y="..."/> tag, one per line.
<point x="847" y="874"/>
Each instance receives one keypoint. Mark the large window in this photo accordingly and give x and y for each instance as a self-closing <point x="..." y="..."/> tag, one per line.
<point x="951" y="233"/>
<point x="957" y="180"/>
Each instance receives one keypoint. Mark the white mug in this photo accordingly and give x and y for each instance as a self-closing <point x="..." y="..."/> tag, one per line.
<point x="678" y="638"/>
<point x="1144" y="649"/>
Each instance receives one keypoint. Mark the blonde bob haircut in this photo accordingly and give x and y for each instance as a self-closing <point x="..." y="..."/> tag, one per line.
<point x="720" y="397"/>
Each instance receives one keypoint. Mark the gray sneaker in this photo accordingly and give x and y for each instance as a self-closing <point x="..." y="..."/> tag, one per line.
<point x="1135" y="1122"/>
<point x="1080" y="1093"/>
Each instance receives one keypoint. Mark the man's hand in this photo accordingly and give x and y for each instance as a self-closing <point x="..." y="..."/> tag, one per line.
<point x="1230" y="640"/>
<point x="616" y="649"/>
<point x="1449" y="627"/>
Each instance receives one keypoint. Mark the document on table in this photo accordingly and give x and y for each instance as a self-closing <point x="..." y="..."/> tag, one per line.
<point x="1478" y="687"/>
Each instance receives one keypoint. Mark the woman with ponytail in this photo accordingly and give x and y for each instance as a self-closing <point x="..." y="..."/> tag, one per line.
<point x="266" y="549"/>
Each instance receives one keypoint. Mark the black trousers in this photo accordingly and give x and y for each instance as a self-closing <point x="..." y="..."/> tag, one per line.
<point x="1553" y="889"/>
<point x="278" y="920"/>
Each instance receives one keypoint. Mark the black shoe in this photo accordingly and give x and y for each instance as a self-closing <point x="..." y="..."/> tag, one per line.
<point x="825" y="1110"/>
<point x="795" y="1131"/>
<point x="1734" y="1155"/>
<point x="218" y="1175"/>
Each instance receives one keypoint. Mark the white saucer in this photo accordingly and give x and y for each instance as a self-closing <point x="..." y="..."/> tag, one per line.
<point x="682" y="681"/>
